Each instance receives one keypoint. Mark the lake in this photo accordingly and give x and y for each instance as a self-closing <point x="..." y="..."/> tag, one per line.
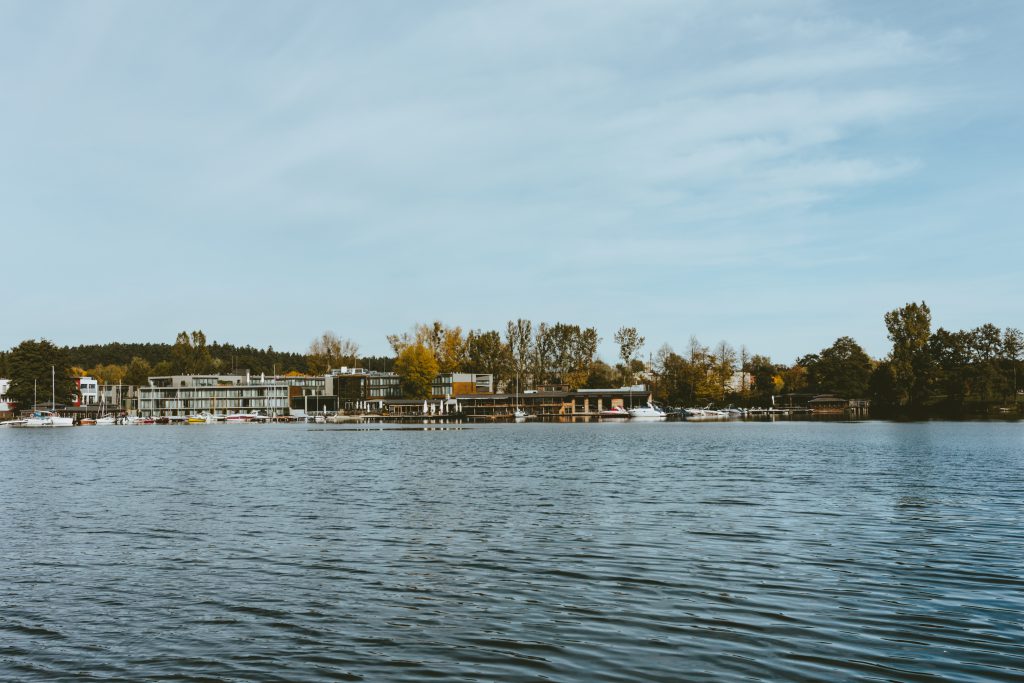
<point x="565" y="552"/>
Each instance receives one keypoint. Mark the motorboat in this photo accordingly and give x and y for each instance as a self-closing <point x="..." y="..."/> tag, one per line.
<point x="650" y="412"/>
<point x="615" y="411"/>
<point x="706" y="413"/>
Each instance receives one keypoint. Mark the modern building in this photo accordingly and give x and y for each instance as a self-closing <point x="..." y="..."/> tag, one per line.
<point x="452" y="384"/>
<point x="354" y="387"/>
<point x="88" y="391"/>
<point x="184" y="395"/>
<point x="120" y="397"/>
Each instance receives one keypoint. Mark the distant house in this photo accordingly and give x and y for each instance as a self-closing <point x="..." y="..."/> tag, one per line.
<point x="828" y="403"/>
<point x="450" y="384"/>
<point x="88" y="391"/>
<point x="6" y="407"/>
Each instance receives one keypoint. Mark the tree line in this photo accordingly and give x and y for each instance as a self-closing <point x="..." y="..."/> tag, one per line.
<point x="941" y="372"/>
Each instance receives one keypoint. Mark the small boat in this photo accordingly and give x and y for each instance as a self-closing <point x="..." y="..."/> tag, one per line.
<point x="706" y="413"/>
<point x="648" y="412"/>
<point x="339" y="418"/>
<point x="518" y="414"/>
<point x="47" y="418"/>
<point x="87" y="421"/>
<point x="615" y="411"/>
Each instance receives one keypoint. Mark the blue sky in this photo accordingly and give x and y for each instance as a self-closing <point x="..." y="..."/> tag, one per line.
<point x="775" y="174"/>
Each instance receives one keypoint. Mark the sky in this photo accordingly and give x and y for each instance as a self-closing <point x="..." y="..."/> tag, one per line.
<point x="772" y="174"/>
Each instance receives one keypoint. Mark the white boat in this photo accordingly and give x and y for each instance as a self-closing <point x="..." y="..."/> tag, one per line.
<point x="649" y="412"/>
<point x="106" y="420"/>
<point x="705" y="413"/>
<point x="518" y="414"/>
<point x="46" y="418"/>
<point x="58" y="421"/>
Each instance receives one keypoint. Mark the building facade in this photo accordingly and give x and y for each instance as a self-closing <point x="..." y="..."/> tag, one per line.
<point x="185" y="395"/>
<point x="354" y="387"/>
<point x="452" y="384"/>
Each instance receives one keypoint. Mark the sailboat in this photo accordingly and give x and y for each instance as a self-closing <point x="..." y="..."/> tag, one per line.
<point x="519" y="415"/>
<point x="48" y="418"/>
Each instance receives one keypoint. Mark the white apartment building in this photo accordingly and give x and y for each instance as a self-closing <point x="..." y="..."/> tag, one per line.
<point x="184" y="395"/>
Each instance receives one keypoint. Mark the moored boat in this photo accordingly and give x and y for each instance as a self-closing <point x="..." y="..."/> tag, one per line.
<point x="648" y="412"/>
<point x="46" y="418"/>
<point x="615" y="411"/>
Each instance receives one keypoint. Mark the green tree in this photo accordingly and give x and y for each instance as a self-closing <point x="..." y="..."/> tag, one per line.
<point x="486" y="353"/>
<point x="572" y="351"/>
<point x="163" y="369"/>
<point x="843" y="369"/>
<point x="676" y="380"/>
<point x="951" y="362"/>
<point x="417" y="367"/>
<point x="724" y="368"/>
<point x="987" y="351"/>
<point x="1013" y="351"/>
<point x="542" y="358"/>
<point x="764" y="372"/>
<point x="39" y="365"/>
<point x="630" y="343"/>
<point x="519" y="339"/>
<point x="138" y="372"/>
<point x="602" y="376"/>
<point x="909" y="330"/>
<point x="190" y="354"/>
<point x="883" y="391"/>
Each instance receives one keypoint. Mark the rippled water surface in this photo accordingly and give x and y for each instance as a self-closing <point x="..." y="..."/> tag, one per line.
<point x="666" y="551"/>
